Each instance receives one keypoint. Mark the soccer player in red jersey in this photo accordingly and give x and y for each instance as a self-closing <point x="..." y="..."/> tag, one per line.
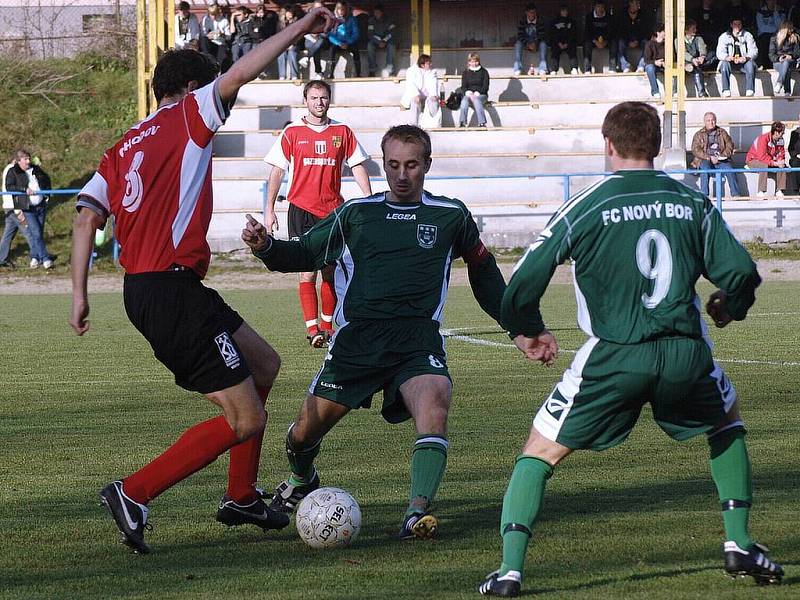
<point x="314" y="150"/>
<point x="156" y="181"/>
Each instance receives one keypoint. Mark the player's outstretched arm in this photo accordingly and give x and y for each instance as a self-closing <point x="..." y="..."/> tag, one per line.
<point x="292" y="256"/>
<point x="247" y="68"/>
<point x="543" y="348"/>
<point x="84" y="227"/>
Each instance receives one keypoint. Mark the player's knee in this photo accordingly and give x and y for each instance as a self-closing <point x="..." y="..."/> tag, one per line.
<point x="267" y="371"/>
<point x="253" y="423"/>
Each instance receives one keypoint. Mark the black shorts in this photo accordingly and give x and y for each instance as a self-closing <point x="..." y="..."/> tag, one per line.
<point x="189" y="327"/>
<point x="300" y="221"/>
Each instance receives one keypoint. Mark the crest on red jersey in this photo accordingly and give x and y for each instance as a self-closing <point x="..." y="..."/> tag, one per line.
<point x="337" y="141"/>
<point x="320" y="147"/>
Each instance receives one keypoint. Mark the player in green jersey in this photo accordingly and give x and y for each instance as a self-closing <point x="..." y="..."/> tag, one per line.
<point x="638" y="242"/>
<point x="392" y="253"/>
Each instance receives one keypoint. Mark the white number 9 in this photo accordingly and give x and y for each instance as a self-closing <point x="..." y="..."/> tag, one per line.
<point x="657" y="268"/>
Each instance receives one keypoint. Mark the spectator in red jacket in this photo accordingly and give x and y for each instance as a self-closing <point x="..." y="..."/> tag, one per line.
<point x="768" y="151"/>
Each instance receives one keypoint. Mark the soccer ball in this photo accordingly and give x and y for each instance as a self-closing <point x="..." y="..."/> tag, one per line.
<point x="328" y="518"/>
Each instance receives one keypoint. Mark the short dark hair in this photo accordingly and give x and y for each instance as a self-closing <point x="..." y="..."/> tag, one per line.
<point x="530" y="6"/>
<point x="635" y="130"/>
<point x="409" y="134"/>
<point x="318" y="83"/>
<point x="184" y="6"/>
<point x="176" y="68"/>
<point x="777" y="127"/>
<point x="423" y="58"/>
<point x="378" y="6"/>
<point x="689" y="23"/>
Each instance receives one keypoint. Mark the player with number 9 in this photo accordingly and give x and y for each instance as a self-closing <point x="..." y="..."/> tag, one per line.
<point x="638" y="242"/>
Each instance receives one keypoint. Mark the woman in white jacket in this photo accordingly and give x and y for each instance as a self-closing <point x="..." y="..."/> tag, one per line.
<point x="421" y="95"/>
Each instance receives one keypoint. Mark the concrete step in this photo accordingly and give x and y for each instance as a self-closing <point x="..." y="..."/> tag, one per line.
<point x="447" y="141"/>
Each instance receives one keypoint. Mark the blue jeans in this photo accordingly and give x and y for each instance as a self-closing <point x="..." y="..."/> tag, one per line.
<point x="477" y="104"/>
<point x="372" y="51"/>
<point x="651" y="77"/>
<point x="240" y="48"/>
<point x="35" y="220"/>
<point x="519" y="48"/>
<point x="784" y="70"/>
<point x="749" y="69"/>
<point x="288" y="67"/>
<point x="314" y="49"/>
<point x="622" y="54"/>
<point x="723" y="166"/>
<point x="12" y="224"/>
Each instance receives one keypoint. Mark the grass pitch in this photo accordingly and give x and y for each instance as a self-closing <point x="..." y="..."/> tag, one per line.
<point x="638" y="521"/>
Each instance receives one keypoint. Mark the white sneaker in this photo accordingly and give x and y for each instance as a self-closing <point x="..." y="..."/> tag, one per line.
<point x="656" y="96"/>
<point x="640" y="69"/>
<point x="553" y="72"/>
<point x="47" y="263"/>
<point x="778" y="196"/>
<point x="749" y="93"/>
<point x="303" y="62"/>
<point x="34" y="263"/>
<point x="761" y="195"/>
<point x="726" y="93"/>
<point x="517" y="72"/>
<point x="573" y="72"/>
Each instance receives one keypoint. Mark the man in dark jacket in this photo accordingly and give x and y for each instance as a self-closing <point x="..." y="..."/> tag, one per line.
<point x="597" y="35"/>
<point x="31" y="178"/>
<point x="531" y="32"/>
<point x="712" y="149"/>
<point x="632" y="31"/>
<point x="563" y="38"/>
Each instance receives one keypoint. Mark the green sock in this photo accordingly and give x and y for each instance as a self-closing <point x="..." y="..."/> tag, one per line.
<point x="301" y="460"/>
<point x="428" y="461"/>
<point x="730" y="469"/>
<point x="520" y="508"/>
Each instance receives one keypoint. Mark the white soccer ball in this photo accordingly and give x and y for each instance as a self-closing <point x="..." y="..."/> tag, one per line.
<point x="328" y="518"/>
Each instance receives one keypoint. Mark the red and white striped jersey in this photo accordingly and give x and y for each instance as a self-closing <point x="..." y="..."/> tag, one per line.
<point x="156" y="181"/>
<point x="314" y="156"/>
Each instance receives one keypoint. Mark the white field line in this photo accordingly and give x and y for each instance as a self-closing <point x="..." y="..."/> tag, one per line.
<point x="479" y="342"/>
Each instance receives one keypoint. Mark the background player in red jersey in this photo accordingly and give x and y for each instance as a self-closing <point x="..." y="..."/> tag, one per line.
<point x="156" y="181"/>
<point x="314" y="150"/>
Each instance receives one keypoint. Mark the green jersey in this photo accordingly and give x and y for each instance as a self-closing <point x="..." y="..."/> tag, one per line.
<point x="393" y="259"/>
<point x="638" y="242"/>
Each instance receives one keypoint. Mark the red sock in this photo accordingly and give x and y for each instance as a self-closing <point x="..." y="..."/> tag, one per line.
<point x="327" y="295"/>
<point x="307" y="290"/>
<point x="243" y="469"/>
<point x="197" y="447"/>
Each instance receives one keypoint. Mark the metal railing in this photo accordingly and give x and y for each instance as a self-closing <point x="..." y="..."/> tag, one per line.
<point x="716" y="174"/>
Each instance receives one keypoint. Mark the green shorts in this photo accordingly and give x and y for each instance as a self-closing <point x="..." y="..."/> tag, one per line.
<point x="598" y="400"/>
<point x="369" y="356"/>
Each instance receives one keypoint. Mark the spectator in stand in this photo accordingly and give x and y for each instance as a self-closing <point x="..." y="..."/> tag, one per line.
<point x="475" y="86"/>
<point x="187" y="28"/>
<point x="244" y="35"/>
<point x="531" y="33"/>
<point x="794" y="160"/>
<point x="632" y="31"/>
<point x="288" y="65"/>
<point x="597" y="36"/>
<point x="654" y="58"/>
<point x="381" y="36"/>
<point x="216" y="33"/>
<point x="315" y="44"/>
<point x="711" y="22"/>
<point x="14" y="221"/>
<point x="265" y="23"/>
<point x="768" y="151"/>
<point x="736" y="49"/>
<point x="694" y="58"/>
<point x="421" y="95"/>
<point x="25" y="176"/>
<point x="563" y="38"/>
<point x="768" y="19"/>
<point x="343" y="39"/>
<point x="784" y="50"/>
<point x="713" y="149"/>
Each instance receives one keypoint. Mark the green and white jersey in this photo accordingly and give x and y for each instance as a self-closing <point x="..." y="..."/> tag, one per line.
<point x="638" y="242"/>
<point x="392" y="259"/>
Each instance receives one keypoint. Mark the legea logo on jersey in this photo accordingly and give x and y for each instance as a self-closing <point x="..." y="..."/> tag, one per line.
<point x="426" y="235"/>
<point x="137" y="139"/>
<point x="227" y="350"/>
<point x="134" y="190"/>
<point x="320" y="146"/>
